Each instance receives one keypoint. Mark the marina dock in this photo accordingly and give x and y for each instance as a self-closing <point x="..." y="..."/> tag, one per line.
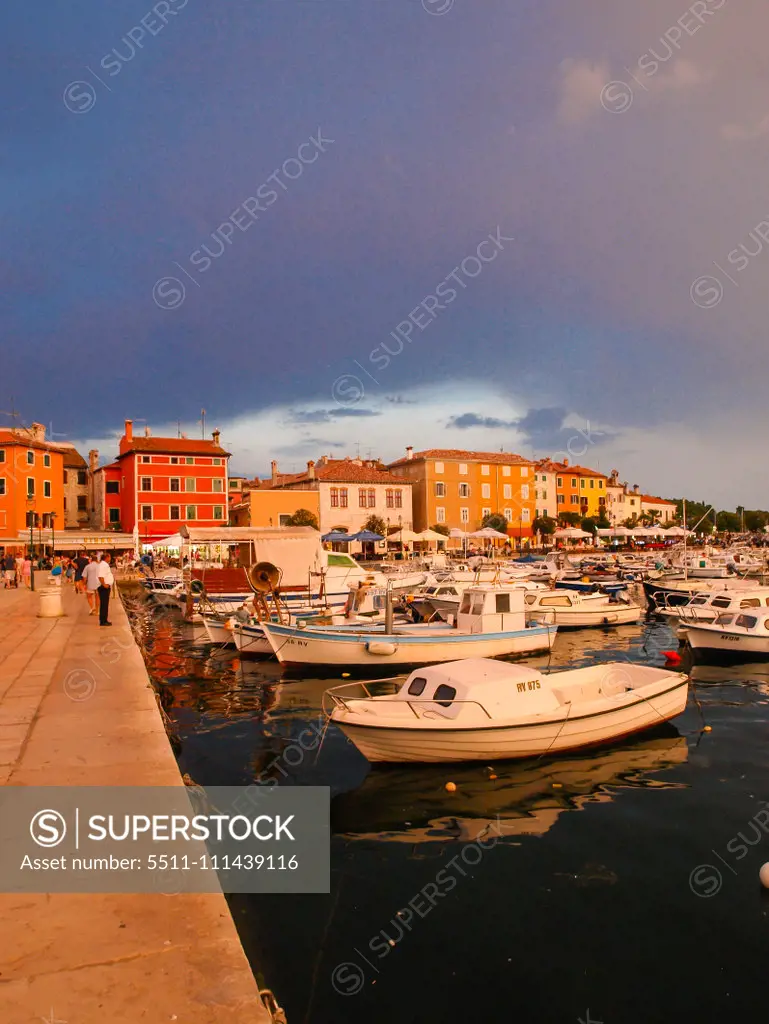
<point x="77" y="709"/>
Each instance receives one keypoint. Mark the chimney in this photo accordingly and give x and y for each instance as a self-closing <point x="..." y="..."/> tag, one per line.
<point x="216" y="434"/>
<point x="409" y="452"/>
<point x="274" y="471"/>
<point x="38" y="431"/>
<point x="311" y="469"/>
<point x="566" y="462"/>
<point x="147" y="431"/>
<point x="129" y="430"/>
<point x="93" y="460"/>
<point x="635" y="488"/>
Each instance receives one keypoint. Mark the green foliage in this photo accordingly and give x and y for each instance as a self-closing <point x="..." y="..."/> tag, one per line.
<point x="544" y="525"/>
<point x="569" y="518"/>
<point x="756" y="520"/>
<point x="441" y="528"/>
<point x="303" y="517"/>
<point x="376" y="524"/>
<point x="729" y="522"/>
<point x="496" y="521"/>
<point x="589" y="525"/>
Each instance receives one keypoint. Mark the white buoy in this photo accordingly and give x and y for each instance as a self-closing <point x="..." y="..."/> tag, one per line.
<point x="763" y="874"/>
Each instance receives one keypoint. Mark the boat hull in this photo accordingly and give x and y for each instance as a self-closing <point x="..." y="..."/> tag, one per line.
<point x="425" y="745"/>
<point x="582" y="618"/>
<point x="340" y="649"/>
<point x="722" y="645"/>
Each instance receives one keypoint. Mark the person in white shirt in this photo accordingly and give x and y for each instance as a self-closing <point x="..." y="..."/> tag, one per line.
<point x="91" y="580"/>
<point x="106" y="579"/>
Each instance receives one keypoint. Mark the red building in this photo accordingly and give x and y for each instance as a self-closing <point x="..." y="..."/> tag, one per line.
<point x="158" y="483"/>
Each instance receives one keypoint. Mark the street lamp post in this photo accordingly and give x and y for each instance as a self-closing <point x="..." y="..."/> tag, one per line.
<point x="31" y="514"/>
<point x="53" y="535"/>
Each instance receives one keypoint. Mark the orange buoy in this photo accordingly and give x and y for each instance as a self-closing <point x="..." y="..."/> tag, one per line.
<point x="672" y="657"/>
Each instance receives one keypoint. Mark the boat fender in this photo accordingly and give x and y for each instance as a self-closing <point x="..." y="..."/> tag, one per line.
<point x="381" y="647"/>
<point x="197" y="587"/>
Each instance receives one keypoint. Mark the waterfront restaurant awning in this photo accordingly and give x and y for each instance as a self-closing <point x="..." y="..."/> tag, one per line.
<point x="229" y="536"/>
<point x="78" y="540"/>
<point x="174" y="541"/>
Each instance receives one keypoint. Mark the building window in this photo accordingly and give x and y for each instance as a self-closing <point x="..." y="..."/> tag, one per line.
<point x="507" y="491"/>
<point x="573" y="481"/>
<point x="560" y="499"/>
<point x="440" y="514"/>
<point x="464" y="515"/>
<point x="46" y="460"/>
<point x="30" y="487"/>
<point x="440" y="489"/>
<point x="372" y="498"/>
<point x="66" y="477"/>
<point x="174" y="484"/>
<point x="146" y="483"/>
<point x="399" y="499"/>
<point x="233" y="484"/>
<point x="361" y="497"/>
<point x="505" y="471"/>
<point x="334" y="497"/>
<point x="190" y="461"/>
<point x="218" y="511"/>
<point x="174" y="460"/>
<point x="582" y="484"/>
<point x="217" y="462"/>
<point x="484" y="470"/>
<point x="389" y="498"/>
<point x="632" y="501"/>
<point x="112" y="487"/>
<point x="46" y="488"/>
<point x="30" y="458"/>
<point x="114" y="516"/>
<point x="525" y="492"/>
<point x="485" y="490"/>
<point x="192" y="512"/>
<point x="189" y="484"/>
<point x="464" y="490"/>
<point x="2" y="485"/>
<point x="438" y="467"/>
<point x="602" y="502"/>
<point x="343" y="497"/>
<point x="600" y="485"/>
<point x="544" y="495"/>
<point x="2" y="454"/>
<point x="146" y="458"/>
<point x="559" y="482"/>
<point x="575" y="499"/>
<point x="284" y="519"/>
<point x="463" y="468"/>
<point x="81" y="478"/>
<point x="218" y="485"/>
<point x="592" y="482"/>
<point x="173" y="512"/>
<point x="524" y="470"/>
<point x="146" y="512"/>
<point x="508" y="514"/>
<point x="524" y="515"/>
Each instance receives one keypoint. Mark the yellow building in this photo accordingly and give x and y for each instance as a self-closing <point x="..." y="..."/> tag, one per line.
<point x="578" y="489"/>
<point x="457" y="488"/>
<point x="268" y="507"/>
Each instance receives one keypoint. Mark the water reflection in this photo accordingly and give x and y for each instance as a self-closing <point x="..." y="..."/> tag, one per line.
<point x="517" y="798"/>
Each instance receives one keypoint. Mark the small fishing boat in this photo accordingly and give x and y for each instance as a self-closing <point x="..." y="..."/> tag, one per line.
<point x="478" y="709"/>
<point x="735" y="636"/>
<point x="571" y="610"/>
<point x="491" y="623"/>
<point x="706" y="606"/>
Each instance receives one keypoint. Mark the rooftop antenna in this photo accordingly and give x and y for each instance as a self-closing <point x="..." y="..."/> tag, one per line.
<point x="357" y="449"/>
<point x="202" y="422"/>
<point x="178" y="428"/>
<point x="51" y="433"/>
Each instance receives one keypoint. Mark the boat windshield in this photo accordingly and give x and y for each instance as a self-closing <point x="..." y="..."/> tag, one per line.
<point x="724" y="620"/>
<point x="747" y="621"/>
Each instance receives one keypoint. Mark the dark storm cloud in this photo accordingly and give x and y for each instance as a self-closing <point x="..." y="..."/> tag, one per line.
<point x="328" y="415"/>
<point x="470" y="419"/>
<point x="543" y="428"/>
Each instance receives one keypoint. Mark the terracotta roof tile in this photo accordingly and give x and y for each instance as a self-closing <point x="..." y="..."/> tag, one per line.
<point x="658" y="501"/>
<point x="173" y="446"/>
<point x="25" y="441"/>
<point x="459" y="455"/>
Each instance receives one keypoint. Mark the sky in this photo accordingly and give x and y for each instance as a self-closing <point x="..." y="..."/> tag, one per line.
<point x="344" y="227"/>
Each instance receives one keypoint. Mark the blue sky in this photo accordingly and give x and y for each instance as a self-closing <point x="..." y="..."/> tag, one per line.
<point x="441" y="129"/>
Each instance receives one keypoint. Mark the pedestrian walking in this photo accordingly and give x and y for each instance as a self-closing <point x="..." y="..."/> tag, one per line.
<point x="81" y="562"/>
<point x="91" y="580"/>
<point x="106" y="580"/>
<point x="9" y="571"/>
<point x="26" y="571"/>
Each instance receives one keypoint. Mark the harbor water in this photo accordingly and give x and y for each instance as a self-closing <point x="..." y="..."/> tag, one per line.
<point x="618" y="885"/>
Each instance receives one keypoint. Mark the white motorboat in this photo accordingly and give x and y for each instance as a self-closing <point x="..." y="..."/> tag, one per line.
<point x="491" y="623"/>
<point x="738" y="636"/>
<point x="444" y="599"/>
<point x="706" y="606"/>
<point x="481" y="710"/>
<point x="570" y="609"/>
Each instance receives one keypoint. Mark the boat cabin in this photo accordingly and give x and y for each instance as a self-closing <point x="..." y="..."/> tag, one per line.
<point x="491" y="609"/>
<point x="723" y="600"/>
<point x="732" y="622"/>
<point x="491" y="687"/>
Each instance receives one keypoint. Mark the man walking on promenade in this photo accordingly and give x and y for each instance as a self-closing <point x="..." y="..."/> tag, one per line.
<point x="106" y="579"/>
<point x="9" y="568"/>
<point x="91" y="581"/>
<point x="80" y="563"/>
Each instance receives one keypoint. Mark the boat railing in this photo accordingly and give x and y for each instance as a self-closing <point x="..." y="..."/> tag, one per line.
<point x="340" y="701"/>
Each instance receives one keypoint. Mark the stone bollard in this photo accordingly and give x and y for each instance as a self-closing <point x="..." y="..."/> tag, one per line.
<point x="50" y="603"/>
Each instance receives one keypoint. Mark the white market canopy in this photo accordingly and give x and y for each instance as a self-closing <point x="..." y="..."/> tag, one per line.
<point x="678" y="531"/>
<point x="174" y="541"/>
<point x="456" y="533"/>
<point x="572" y="532"/>
<point x="431" y="535"/>
<point x="619" y="531"/>
<point x="404" y="536"/>
<point x="488" y="533"/>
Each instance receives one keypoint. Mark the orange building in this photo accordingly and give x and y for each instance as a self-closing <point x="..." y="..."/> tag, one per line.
<point x="578" y="489"/>
<point x="31" y="482"/>
<point x="459" y="488"/>
<point x="267" y="507"/>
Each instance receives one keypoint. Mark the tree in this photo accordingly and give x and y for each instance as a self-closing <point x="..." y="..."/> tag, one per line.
<point x="728" y="522"/>
<point x="602" y="521"/>
<point x="376" y="524"/>
<point x="441" y="528"/>
<point x="496" y="521"/>
<point x="544" y="525"/>
<point x="303" y="517"/>
<point x="569" y="518"/>
<point x="755" y="521"/>
<point x="588" y="525"/>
